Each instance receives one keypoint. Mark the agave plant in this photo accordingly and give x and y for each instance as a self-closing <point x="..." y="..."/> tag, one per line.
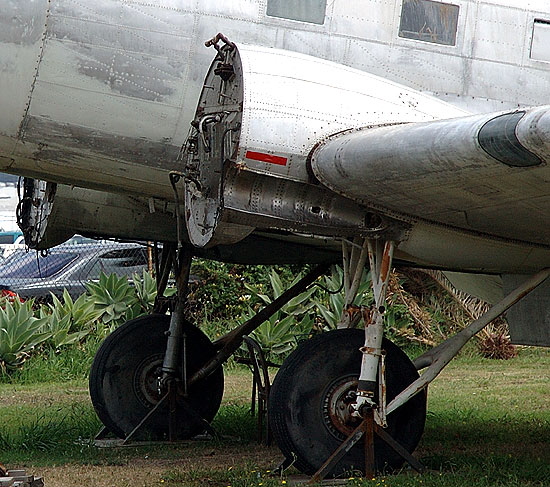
<point x="20" y="333"/>
<point x="146" y="290"/>
<point x="277" y="336"/>
<point x="115" y="300"/>
<point x="280" y="333"/>
<point x="69" y="321"/>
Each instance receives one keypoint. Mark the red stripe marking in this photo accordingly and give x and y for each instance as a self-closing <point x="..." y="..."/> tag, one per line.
<point x="260" y="156"/>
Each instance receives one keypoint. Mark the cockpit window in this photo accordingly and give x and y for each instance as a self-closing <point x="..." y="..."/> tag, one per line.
<point x="541" y="40"/>
<point x="312" y="11"/>
<point x="428" y="21"/>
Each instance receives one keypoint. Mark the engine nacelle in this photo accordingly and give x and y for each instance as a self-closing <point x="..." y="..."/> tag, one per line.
<point x="49" y="214"/>
<point x="260" y="114"/>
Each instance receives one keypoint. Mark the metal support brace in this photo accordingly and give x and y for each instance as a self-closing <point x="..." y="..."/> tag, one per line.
<point x="354" y="258"/>
<point x="173" y="374"/>
<point x="230" y="342"/>
<point x="437" y="358"/>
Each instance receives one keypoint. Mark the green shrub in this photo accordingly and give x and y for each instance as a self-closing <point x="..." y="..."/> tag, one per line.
<point x="145" y="287"/>
<point x="20" y="333"/>
<point x="218" y="293"/>
<point x="47" y="365"/>
<point x="68" y="321"/>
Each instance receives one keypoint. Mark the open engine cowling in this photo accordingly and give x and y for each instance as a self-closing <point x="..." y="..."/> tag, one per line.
<point x="260" y="113"/>
<point x="50" y="213"/>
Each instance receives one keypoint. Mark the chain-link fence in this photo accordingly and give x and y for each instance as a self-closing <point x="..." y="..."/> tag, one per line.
<point x="30" y="273"/>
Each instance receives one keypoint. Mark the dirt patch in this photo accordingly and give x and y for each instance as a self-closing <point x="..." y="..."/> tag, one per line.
<point x="208" y="466"/>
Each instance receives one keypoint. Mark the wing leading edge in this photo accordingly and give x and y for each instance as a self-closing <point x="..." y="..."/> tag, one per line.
<point x="483" y="173"/>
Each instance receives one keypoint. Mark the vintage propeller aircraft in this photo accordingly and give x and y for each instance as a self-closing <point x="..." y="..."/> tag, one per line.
<point x="400" y="132"/>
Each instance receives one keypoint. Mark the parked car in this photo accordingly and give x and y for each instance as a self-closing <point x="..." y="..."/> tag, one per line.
<point x="9" y="242"/>
<point x="68" y="266"/>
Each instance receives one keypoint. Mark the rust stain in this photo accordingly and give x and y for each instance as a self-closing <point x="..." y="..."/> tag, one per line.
<point x="368" y="316"/>
<point x="370" y="350"/>
<point x="386" y="260"/>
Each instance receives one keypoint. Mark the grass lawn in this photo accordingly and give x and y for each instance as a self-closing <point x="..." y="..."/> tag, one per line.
<point x="488" y="425"/>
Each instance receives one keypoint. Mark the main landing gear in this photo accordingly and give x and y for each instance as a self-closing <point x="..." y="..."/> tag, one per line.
<point x="142" y="381"/>
<point x="125" y="381"/>
<point x="344" y="402"/>
<point x="311" y="397"/>
<point x="158" y="377"/>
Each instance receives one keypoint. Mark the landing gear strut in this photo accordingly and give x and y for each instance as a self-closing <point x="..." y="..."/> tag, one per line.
<point x="159" y="377"/>
<point x="331" y="390"/>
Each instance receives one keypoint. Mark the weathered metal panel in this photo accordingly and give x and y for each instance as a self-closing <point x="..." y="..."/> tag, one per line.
<point x="22" y="26"/>
<point x="492" y="22"/>
<point x="541" y="40"/>
<point x="112" y="67"/>
<point x="374" y="20"/>
<point x="529" y="320"/>
<point x="437" y="171"/>
<point x="431" y="245"/>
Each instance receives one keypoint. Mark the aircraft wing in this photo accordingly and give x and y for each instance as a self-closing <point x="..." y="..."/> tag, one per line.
<point x="483" y="173"/>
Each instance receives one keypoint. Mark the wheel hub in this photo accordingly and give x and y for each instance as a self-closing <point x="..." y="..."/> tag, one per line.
<point x="146" y="380"/>
<point x="337" y="410"/>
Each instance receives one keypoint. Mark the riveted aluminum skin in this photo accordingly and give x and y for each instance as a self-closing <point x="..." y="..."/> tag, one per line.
<point x="446" y="172"/>
<point x="264" y="120"/>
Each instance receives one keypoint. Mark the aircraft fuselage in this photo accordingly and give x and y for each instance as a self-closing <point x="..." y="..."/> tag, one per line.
<point x="101" y="95"/>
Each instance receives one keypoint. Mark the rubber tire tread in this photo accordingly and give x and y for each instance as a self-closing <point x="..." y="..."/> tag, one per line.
<point x="113" y="392"/>
<point x="296" y="397"/>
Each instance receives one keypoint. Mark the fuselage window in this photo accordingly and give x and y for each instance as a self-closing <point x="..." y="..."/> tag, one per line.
<point x="541" y="40"/>
<point x="312" y="11"/>
<point x="428" y="21"/>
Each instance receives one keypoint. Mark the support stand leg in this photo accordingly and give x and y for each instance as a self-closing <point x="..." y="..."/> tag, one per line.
<point x="367" y="428"/>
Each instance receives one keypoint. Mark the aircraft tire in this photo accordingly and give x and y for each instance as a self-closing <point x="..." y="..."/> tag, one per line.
<point x="309" y="395"/>
<point x="123" y="379"/>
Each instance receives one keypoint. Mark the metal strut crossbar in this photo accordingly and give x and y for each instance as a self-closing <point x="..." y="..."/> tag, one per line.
<point x="354" y="258"/>
<point x="436" y="359"/>
<point x="230" y="342"/>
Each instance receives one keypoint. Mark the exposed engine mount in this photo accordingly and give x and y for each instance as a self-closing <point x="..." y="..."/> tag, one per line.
<point x="260" y="114"/>
<point x="49" y="214"/>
